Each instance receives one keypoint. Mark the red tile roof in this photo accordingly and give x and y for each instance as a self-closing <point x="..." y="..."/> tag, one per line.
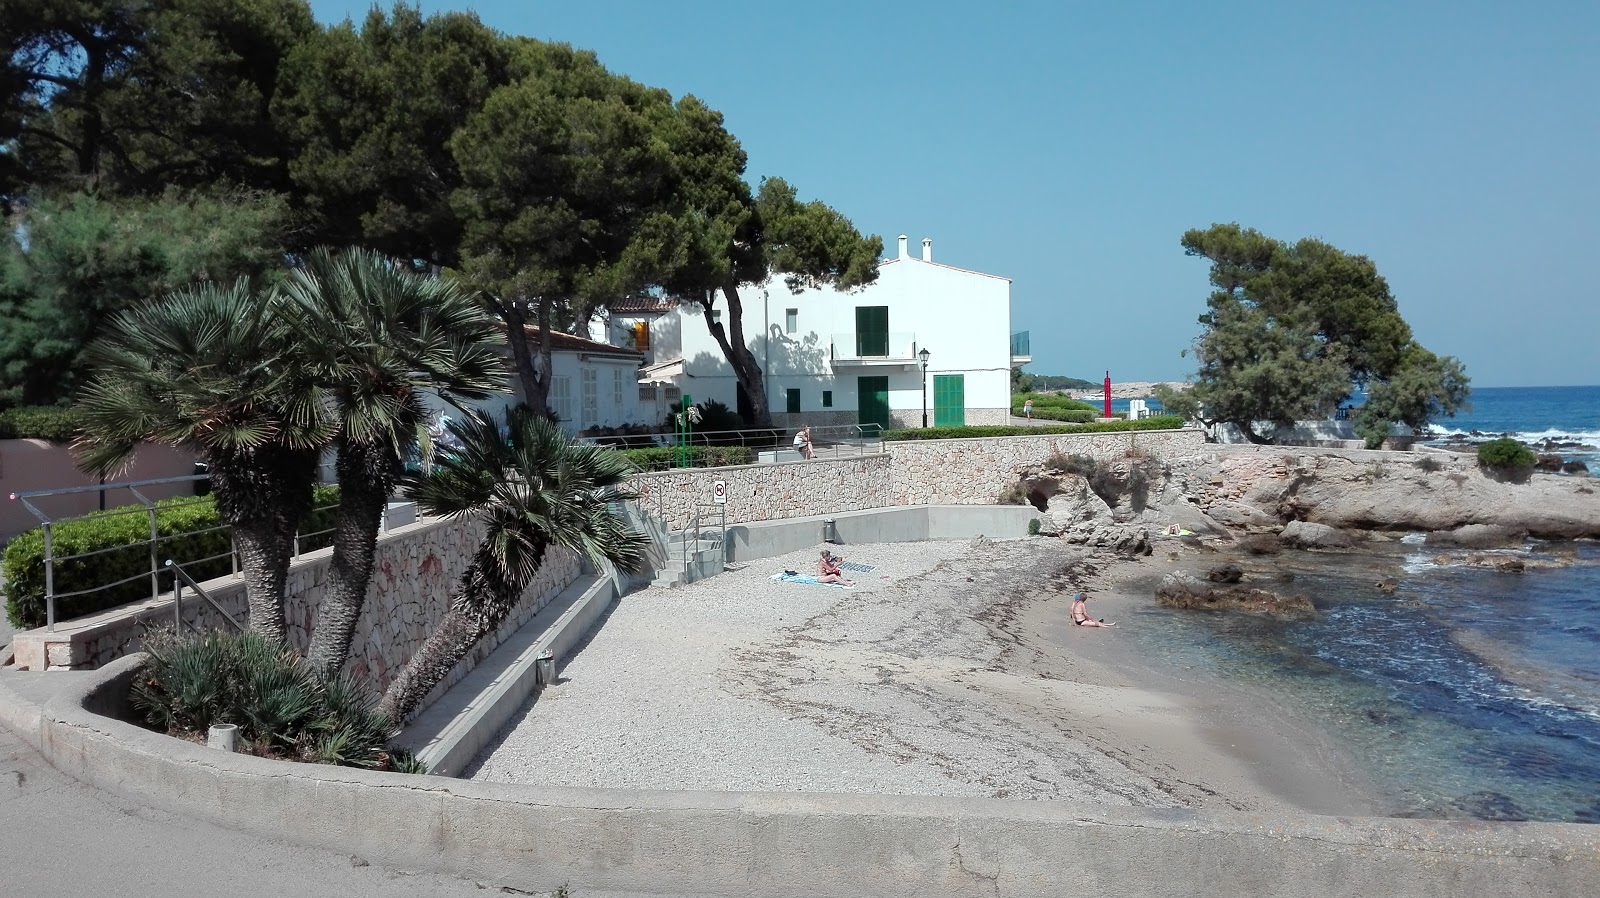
<point x="560" y="342"/>
<point x="634" y="305"/>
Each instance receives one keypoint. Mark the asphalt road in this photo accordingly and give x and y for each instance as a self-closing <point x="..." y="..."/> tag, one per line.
<point x="59" y="836"/>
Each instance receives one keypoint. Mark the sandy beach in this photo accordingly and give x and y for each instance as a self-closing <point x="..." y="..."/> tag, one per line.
<point x="950" y="669"/>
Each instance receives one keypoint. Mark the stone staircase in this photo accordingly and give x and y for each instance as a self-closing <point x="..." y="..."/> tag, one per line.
<point x="688" y="560"/>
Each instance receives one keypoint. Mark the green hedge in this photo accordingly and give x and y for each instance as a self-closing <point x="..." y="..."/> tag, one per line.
<point x="1160" y="422"/>
<point x="664" y="457"/>
<point x="127" y="535"/>
<point x="1051" y="401"/>
<point x="48" y="422"/>
<point x="1071" y="416"/>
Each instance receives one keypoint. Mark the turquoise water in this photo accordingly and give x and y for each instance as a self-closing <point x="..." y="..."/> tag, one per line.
<point x="1466" y="693"/>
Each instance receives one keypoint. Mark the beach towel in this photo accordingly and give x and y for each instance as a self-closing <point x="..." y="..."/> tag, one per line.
<point x="858" y="568"/>
<point x="804" y="580"/>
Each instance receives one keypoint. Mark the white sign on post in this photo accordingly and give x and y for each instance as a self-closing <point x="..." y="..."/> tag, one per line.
<point x="719" y="492"/>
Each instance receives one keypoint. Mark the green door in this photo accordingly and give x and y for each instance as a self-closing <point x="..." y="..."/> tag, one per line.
<point x="872" y="332"/>
<point x="872" y="401"/>
<point x="949" y="400"/>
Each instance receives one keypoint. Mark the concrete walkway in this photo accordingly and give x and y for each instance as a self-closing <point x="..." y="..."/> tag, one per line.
<point x="63" y="837"/>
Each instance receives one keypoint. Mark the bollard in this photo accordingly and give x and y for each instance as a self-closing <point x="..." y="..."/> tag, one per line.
<point x="224" y="736"/>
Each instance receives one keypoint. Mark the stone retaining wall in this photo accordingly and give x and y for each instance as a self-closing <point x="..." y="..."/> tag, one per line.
<point x="413" y="572"/>
<point x="976" y="471"/>
<point x="768" y="492"/>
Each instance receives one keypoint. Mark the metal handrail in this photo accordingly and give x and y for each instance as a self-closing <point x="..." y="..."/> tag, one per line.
<point x="181" y="576"/>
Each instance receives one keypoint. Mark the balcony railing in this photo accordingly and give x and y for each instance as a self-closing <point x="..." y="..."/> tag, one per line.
<point x="1019" y="343"/>
<point x="867" y="349"/>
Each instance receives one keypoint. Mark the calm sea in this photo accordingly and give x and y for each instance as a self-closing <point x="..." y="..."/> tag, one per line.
<point x="1466" y="693"/>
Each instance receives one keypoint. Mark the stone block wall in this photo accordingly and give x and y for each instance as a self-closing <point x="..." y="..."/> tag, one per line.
<point x="976" y="471"/>
<point x="768" y="492"/>
<point x="414" y="571"/>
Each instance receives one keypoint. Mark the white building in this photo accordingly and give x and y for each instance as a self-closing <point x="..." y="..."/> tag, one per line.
<point x="850" y="357"/>
<point x="593" y="384"/>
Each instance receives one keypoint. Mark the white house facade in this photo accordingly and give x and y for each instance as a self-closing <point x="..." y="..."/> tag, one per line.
<point x="835" y="357"/>
<point x="593" y="384"/>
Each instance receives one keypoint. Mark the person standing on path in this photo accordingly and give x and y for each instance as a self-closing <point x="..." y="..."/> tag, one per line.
<point x="1027" y="409"/>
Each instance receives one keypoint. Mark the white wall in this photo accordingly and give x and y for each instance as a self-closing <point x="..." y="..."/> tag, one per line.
<point x="962" y="318"/>
<point x="616" y="396"/>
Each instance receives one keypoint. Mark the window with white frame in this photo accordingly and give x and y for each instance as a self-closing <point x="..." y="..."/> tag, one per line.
<point x="561" y="397"/>
<point x="591" y="398"/>
<point x="791" y="320"/>
<point x="618" y="378"/>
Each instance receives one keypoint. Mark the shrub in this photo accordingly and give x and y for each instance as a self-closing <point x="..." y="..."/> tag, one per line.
<point x="1054" y="401"/>
<point x="664" y="457"/>
<point x="1070" y="416"/>
<point x="1162" y="422"/>
<point x="1505" y="455"/>
<point x="190" y="530"/>
<point x="282" y="709"/>
<point x="1033" y="527"/>
<point x="53" y="423"/>
<point x="1427" y="463"/>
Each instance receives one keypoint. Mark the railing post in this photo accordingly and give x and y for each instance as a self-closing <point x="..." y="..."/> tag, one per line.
<point x="155" y="570"/>
<point x="177" y="605"/>
<point x="49" y="580"/>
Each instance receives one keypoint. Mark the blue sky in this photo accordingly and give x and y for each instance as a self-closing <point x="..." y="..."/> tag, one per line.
<point x="1069" y="145"/>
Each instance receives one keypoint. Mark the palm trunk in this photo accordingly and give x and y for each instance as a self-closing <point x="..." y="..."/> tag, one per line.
<point x="751" y="380"/>
<point x="366" y="477"/>
<point x="482" y="600"/>
<point x="264" y="564"/>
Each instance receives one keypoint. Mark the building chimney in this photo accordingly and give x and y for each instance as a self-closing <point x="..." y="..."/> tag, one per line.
<point x="927" y="249"/>
<point x="903" y="241"/>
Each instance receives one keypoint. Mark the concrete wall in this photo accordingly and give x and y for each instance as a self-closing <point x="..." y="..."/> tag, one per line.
<point x="536" y="839"/>
<point x="414" y="571"/>
<point x="902" y="524"/>
<point x="27" y="465"/>
<point x="968" y="472"/>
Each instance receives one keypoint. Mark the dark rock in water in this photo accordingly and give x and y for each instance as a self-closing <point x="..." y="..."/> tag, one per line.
<point x="1509" y="564"/>
<point x="1181" y="589"/>
<point x="1227" y="573"/>
<point x="1306" y="535"/>
<point x="1261" y="544"/>
<point x="1489" y="805"/>
<point x="1574" y="467"/>
<point x="1387" y="587"/>
<point x="1548" y="463"/>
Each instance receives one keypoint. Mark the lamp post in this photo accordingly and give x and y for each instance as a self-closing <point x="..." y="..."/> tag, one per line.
<point x="923" y="358"/>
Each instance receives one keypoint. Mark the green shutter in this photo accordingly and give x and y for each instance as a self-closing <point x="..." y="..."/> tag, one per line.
<point x="949" y="400"/>
<point x="793" y="401"/>
<point x="872" y="331"/>
<point x="827" y="399"/>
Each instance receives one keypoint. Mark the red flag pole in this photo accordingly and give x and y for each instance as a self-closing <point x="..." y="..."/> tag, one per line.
<point x="1108" y="394"/>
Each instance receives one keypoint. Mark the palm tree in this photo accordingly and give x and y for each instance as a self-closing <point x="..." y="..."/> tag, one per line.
<point x="210" y="369"/>
<point x="536" y="491"/>
<point x="378" y="338"/>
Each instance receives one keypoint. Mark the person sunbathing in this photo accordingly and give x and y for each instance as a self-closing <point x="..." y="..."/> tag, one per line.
<point x="828" y="570"/>
<point x="1080" y="613"/>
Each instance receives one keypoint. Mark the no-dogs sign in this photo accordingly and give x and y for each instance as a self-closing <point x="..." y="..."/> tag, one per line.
<point x="719" y="492"/>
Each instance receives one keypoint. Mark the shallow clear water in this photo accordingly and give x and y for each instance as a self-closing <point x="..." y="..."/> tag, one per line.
<point x="1465" y="693"/>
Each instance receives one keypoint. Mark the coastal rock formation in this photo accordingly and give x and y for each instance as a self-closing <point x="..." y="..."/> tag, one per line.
<point x="1253" y="489"/>
<point x="1478" y="536"/>
<point x="1307" y="535"/>
<point x="1124" y="539"/>
<point x="1180" y="589"/>
<point x="1072" y="503"/>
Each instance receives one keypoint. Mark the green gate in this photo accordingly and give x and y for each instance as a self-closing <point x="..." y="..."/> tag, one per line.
<point x="949" y="400"/>
<point x="872" y="401"/>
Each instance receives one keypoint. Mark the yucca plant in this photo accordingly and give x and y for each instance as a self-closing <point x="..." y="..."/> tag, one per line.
<point x="212" y="370"/>
<point x="536" y="490"/>
<point x="377" y="339"/>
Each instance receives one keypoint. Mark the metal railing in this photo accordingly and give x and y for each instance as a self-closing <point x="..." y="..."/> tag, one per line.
<point x="862" y="347"/>
<point x="180" y="577"/>
<point x="827" y="441"/>
<point x="1019" y="344"/>
<point x="154" y="542"/>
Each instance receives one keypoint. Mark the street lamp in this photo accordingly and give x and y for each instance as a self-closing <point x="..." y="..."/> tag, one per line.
<point x="923" y="357"/>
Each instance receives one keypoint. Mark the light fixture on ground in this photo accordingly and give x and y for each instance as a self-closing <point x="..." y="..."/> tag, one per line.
<point x="923" y="357"/>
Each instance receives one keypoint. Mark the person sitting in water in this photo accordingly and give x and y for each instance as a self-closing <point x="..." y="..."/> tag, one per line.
<point x="1080" y="613"/>
<point x="828" y="570"/>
